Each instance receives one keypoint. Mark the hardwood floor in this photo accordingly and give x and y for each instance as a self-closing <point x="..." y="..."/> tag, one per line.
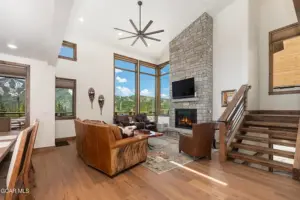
<point x="61" y="175"/>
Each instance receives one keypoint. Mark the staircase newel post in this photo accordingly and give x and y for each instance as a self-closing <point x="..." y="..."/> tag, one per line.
<point x="223" y="146"/>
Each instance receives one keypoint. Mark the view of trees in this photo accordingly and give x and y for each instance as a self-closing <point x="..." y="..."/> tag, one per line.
<point x="126" y="105"/>
<point x="63" y="102"/>
<point x="12" y="97"/>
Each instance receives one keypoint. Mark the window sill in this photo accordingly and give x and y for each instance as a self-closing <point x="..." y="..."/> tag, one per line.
<point x="65" y="118"/>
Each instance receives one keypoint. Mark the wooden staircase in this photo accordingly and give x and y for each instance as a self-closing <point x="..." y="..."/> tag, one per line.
<point x="258" y="134"/>
<point x="268" y="140"/>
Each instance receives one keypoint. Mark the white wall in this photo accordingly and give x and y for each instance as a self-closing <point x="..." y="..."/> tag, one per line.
<point x="230" y="51"/>
<point x="42" y="95"/>
<point x="253" y="54"/>
<point x="274" y="14"/>
<point x="94" y="68"/>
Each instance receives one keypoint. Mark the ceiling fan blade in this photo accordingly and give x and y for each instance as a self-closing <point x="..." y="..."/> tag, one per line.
<point x="125" y="31"/>
<point x="144" y="41"/>
<point x="123" y="38"/>
<point x="135" y="41"/>
<point x="135" y="28"/>
<point x="146" y="27"/>
<point x="154" y="32"/>
<point x="151" y="38"/>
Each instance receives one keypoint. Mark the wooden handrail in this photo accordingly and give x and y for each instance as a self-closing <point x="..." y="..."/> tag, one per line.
<point x="296" y="166"/>
<point x="231" y="120"/>
<point x="232" y="104"/>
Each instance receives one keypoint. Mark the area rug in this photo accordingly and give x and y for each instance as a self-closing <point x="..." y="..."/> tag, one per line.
<point x="165" y="150"/>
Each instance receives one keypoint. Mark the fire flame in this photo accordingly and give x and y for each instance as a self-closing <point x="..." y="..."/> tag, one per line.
<point x="185" y="121"/>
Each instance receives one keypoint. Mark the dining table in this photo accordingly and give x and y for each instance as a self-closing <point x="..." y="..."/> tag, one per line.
<point x="7" y="141"/>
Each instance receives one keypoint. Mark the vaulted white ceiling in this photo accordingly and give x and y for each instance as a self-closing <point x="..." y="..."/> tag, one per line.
<point x="36" y="27"/>
<point x="101" y="16"/>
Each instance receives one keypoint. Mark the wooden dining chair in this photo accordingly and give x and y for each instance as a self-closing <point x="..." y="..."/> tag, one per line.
<point x="16" y="164"/>
<point x="5" y="124"/>
<point x="28" y="168"/>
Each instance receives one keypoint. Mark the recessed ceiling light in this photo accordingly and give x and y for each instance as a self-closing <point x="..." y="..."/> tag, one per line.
<point x="12" y="46"/>
<point x="81" y="19"/>
<point x="120" y="33"/>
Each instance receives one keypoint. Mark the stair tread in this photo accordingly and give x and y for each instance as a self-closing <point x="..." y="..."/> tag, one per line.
<point x="264" y="150"/>
<point x="273" y="115"/>
<point x="262" y="161"/>
<point x="267" y="131"/>
<point x="275" y="124"/>
<point x="267" y="140"/>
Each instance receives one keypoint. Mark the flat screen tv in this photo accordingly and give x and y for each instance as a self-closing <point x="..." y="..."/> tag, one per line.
<point x="183" y="89"/>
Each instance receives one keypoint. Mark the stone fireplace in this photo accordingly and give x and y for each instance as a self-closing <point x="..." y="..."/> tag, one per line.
<point x="191" y="56"/>
<point x="185" y="118"/>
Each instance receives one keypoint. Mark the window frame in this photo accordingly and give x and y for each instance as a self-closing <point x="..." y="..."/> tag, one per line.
<point x="71" y="45"/>
<point x="277" y="37"/>
<point x="161" y="66"/>
<point x="15" y="71"/>
<point x="135" y="62"/>
<point x="138" y="64"/>
<point x="153" y="66"/>
<point x="73" y="99"/>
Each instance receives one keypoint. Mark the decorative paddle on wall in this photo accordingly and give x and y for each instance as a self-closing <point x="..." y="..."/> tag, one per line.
<point x="140" y="34"/>
<point x="91" y="93"/>
<point x="101" y="102"/>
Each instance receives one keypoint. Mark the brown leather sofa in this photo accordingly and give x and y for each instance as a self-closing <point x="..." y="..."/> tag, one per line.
<point x="102" y="147"/>
<point x="199" y="144"/>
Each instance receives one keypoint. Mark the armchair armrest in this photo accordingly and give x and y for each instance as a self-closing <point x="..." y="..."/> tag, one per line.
<point x="128" y="141"/>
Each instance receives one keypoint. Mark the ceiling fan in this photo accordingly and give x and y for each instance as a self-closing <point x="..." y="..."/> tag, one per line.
<point x="140" y="34"/>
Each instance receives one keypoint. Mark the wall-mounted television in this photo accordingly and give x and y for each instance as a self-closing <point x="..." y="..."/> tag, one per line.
<point x="183" y="89"/>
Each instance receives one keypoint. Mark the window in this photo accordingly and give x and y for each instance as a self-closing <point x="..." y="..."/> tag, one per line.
<point x="14" y="93"/>
<point x="68" y="51"/>
<point x="65" y="99"/>
<point x="147" y="93"/>
<point x="284" y="71"/>
<point x="164" y="89"/>
<point x="139" y="86"/>
<point x="12" y="97"/>
<point x="125" y="85"/>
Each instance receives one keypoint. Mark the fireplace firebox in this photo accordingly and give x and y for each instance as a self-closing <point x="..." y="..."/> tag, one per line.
<point x="185" y="118"/>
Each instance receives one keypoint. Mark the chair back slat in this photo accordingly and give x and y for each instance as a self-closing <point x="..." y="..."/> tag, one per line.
<point x="17" y="157"/>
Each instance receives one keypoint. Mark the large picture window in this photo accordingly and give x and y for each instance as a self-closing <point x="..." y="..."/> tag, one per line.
<point x="141" y="87"/>
<point x="284" y="68"/>
<point x="148" y="91"/>
<point x="14" y="93"/>
<point x="65" y="99"/>
<point x="125" y="85"/>
<point x="164" y="89"/>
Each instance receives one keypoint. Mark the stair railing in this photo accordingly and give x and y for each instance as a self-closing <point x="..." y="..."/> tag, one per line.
<point x="231" y="120"/>
<point x="296" y="166"/>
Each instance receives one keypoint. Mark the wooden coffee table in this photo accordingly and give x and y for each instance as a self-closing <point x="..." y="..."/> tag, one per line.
<point x="152" y="134"/>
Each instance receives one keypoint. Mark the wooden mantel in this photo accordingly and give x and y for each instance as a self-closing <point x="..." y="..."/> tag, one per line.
<point x="297" y="8"/>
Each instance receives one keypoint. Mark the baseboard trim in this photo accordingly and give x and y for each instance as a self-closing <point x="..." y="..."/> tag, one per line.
<point x="43" y="149"/>
<point x="65" y="139"/>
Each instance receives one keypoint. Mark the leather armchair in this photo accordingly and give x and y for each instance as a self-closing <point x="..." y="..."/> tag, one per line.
<point x="101" y="147"/>
<point x="122" y="120"/>
<point x="199" y="144"/>
<point x="142" y="118"/>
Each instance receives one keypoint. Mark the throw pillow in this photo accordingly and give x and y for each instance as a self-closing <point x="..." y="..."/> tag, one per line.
<point x="127" y="131"/>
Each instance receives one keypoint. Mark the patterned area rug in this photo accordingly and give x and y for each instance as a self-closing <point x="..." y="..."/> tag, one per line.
<point x="165" y="149"/>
